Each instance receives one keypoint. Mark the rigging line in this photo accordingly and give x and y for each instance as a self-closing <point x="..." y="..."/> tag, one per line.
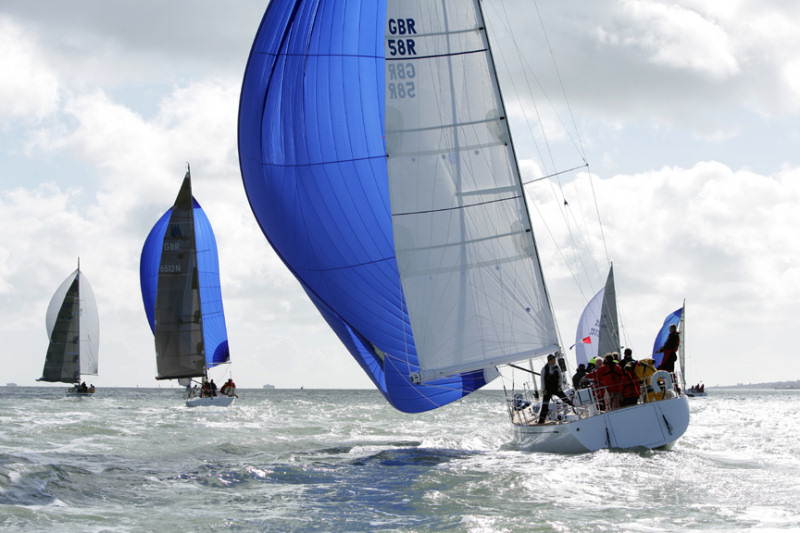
<point x="578" y="145"/>
<point x="585" y="165"/>
<point x="520" y="57"/>
<point x="579" y="257"/>
<point x="590" y="244"/>
<point x="559" y="190"/>
<point x="585" y="260"/>
<point x="560" y="81"/>
<point x="553" y="239"/>
<point x="599" y="222"/>
<point x="527" y="67"/>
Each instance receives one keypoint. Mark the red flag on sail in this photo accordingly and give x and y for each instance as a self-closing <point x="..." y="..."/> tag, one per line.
<point x="587" y="340"/>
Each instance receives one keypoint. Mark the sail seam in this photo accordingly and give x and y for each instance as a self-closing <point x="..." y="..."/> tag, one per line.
<point x="458" y="207"/>
<point x="323" y="163"/>
<point x="434" y="56"/>
<point x="446" y="126"/>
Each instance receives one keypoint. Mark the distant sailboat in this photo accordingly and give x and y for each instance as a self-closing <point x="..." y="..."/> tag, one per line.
<point x="73" y="328"/>
<point x="678" y="319"/>
<point x="179" y="273"/>
<point x="377" y="158"/>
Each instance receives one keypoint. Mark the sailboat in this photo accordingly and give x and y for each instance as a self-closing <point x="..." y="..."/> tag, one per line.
<point x="676" y="318"/>
<point x="73" y="327"/>
<point x="377" y="159"/>
<point x="179" y="275"/>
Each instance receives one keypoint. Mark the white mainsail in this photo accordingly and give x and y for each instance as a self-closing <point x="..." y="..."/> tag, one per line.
<point x="463" y="238"/>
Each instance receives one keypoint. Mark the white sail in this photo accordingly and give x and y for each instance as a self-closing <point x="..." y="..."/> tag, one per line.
<point x="89" y="328"/>
<point x="587" y="336"/>
<point x="463" y="238"/>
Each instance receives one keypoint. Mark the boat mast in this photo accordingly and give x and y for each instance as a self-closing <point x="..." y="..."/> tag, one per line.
<point x="682" y="345"/>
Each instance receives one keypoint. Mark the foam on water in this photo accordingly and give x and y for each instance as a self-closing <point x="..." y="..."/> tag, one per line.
<point x="139" y="460"/>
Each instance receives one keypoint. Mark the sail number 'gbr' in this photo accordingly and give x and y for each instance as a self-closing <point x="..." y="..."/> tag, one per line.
<point x="401" y="75"/>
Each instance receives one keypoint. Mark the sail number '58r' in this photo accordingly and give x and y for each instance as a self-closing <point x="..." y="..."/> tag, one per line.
<point x="398" y="72"/>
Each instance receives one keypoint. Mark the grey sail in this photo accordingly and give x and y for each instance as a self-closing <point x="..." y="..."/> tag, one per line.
<point x="62" y="363"/>
<point x="609" y="325"/>
<point x="180" y="351"/>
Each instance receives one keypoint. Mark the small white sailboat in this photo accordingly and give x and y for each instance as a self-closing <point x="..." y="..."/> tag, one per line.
<point x="179" y="274"/>
<point x="73" y="327"/>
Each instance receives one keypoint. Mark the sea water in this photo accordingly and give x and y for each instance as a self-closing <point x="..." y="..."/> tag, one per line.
<point x="344" y="460"/>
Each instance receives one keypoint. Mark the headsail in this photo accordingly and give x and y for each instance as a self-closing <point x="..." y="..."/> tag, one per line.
<point x="73" y="328"/>
<point x="179" y="275"/>
<point x="338" y="140"/>
<point x="587" y="335"/>
<point x="609" y="324"/>
<point x="598" y="324"/>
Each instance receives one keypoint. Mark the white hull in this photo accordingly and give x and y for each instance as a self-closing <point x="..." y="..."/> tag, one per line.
<point x="213" y="401"/>
<point x="648" y="425"/>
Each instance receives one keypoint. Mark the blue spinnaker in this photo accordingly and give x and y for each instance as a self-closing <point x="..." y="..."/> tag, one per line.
<point x="215" y="335"/>
<point x="673" y="318"/>
<point x="313" y="162"/>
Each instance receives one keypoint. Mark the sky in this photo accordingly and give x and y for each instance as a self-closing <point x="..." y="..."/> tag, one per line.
<point x="686" y="112"/>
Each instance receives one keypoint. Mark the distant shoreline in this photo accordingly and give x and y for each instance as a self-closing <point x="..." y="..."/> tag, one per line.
<point x="787" y="385"/>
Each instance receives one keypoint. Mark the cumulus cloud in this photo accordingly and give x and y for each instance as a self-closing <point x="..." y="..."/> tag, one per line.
<point x="671" y="101"/>
<point x="719" y="237"/>
<point x="675" y="36"/>
<point x="29" y="88"/>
